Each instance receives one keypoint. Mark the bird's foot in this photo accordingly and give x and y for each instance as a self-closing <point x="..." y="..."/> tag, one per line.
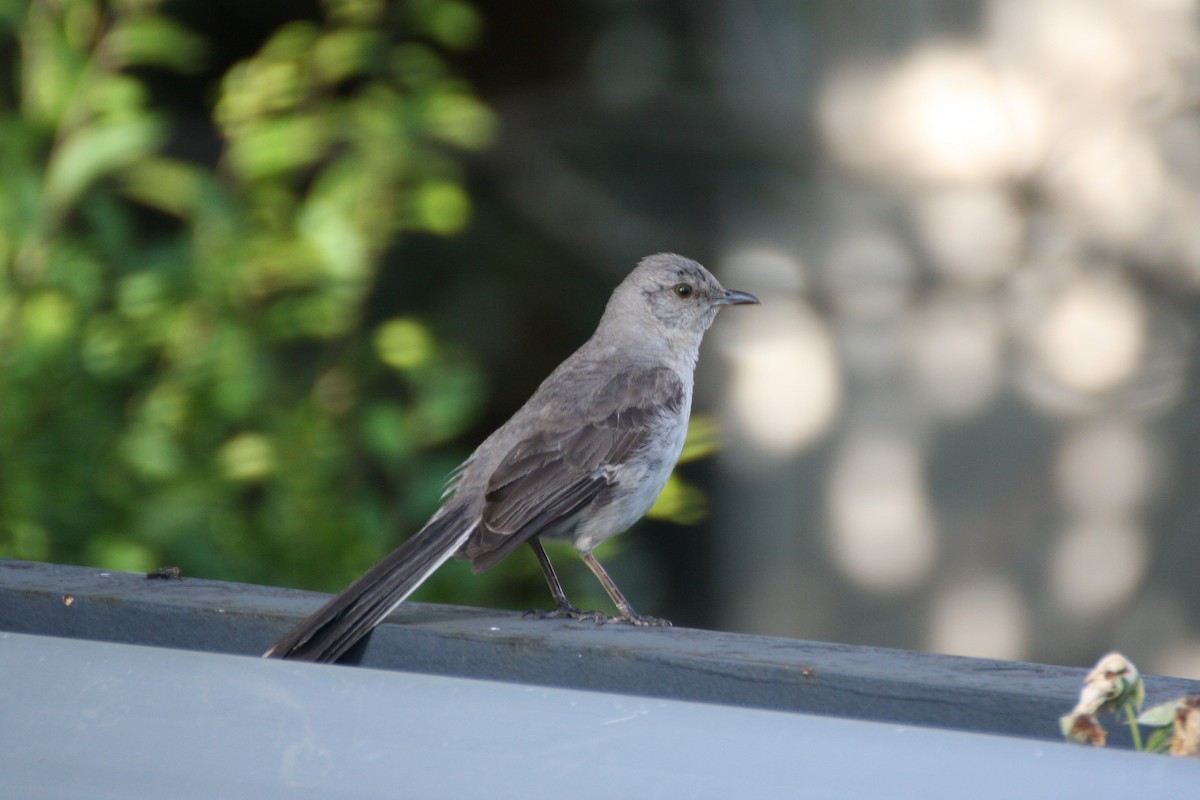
<point x="640" y="621"/>
<point x="569" y="611"/>
<point x="598" y="617"/>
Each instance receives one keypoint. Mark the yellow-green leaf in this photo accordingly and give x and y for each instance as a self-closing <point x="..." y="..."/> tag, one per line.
<point x="680" y="503"/>
<point x="94" y="151"/>
<point x="703" y="438"/>
<point x="156" y="41"/>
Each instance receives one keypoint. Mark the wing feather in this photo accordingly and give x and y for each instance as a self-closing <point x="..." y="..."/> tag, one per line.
<point x="549" y="477"/>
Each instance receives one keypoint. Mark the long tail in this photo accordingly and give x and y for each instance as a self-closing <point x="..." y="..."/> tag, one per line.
<point x="339" y="624"/>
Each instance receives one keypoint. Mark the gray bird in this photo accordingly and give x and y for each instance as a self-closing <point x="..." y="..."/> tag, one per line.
<point x="584" y="458"/>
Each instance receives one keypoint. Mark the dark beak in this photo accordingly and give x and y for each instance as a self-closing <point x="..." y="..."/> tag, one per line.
<point x="732" y="298"/>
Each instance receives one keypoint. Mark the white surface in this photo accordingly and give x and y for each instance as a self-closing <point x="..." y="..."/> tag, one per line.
<point x="96" y="720"/>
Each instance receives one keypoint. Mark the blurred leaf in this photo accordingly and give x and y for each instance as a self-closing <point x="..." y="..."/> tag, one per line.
<point x="77" y="271"/>
<point x="94" y="151"/>
<point x="1159" y="741"/>
<point x="345" y="53"/>
<point x="107" y="350"/>
<point x="141" y="294"/>
<point x="174" y="516"/>
<point x="156" y="41"/>
<point x="442" y="207"/>
<point x="50" y="68"/>
<point x="703" y="438"/>
<point x="247" y="457"/>
<point x="238" y="378"/>
<point x="449" y="396"/>
<point x="152" y="452"/>
<point x="356" y="12"/>
<point x="386" y="430"/>
<point x="336" y="391"/>
<point x="164" y="184"/>
<point x="403" y="343"/>
<point x="1159" y="715"/>
<point x="121" y="554"/>
<point x="453" y="24"/>
<point x="272" y="82"/>
<point x="11" y="12"/>
<point x="417" y="65"/>
<point x="328" y="221"/>
<point x="27" y="540"/>
<point x="83" y="22"/>
<point x="115" y="98"/>
<point x="275" y="146"/>
<point x="321" y="315"/>
<point x="680" y="503"/>
<point x="47" y="319"/>
<point x="293" y="41"/>
<point x="461" y="120"/>
<point x="166" y="407"/>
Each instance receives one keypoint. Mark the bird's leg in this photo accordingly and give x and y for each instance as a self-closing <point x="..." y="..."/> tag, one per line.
<point x="627" y="614"/>
<point x="562" y="606"/>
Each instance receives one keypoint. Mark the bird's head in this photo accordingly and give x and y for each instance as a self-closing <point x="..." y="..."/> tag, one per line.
<point x="671" y="295"/>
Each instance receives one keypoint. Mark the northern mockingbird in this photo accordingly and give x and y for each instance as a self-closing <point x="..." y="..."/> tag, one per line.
<point x="584" y="458"/>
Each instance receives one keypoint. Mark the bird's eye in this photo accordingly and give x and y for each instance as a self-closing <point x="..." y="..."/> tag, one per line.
<point x="682" y="290"/>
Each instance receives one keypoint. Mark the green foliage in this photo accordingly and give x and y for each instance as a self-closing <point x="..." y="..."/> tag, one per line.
<point x="187" y="371"/>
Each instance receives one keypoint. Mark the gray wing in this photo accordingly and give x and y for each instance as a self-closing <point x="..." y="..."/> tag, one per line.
<point x="551" y="476"/>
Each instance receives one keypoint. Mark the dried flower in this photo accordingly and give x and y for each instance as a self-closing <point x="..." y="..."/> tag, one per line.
<point x="1113" y="684"/>
<point x="1185" y="739"/>
<point x="1083" y="728"/>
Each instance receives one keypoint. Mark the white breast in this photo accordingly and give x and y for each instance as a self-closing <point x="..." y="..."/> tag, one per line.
<point x="639" y="482"/>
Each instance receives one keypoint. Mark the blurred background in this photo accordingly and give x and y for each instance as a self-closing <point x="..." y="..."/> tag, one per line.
<point x="270" y="270"/>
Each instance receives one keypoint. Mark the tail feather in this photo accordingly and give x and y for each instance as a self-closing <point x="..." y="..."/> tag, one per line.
<point x="338" y="625"/>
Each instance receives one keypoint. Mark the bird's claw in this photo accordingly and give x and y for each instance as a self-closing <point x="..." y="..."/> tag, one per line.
<point x="643" y="622"/>
<point x="558" y="612"/>
<point x="598" y="617"/>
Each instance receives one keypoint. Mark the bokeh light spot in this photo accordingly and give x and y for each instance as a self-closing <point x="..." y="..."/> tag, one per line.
<point x="883" y="535"/>
<point x="985" y="617"/>
<point x="1092" y="336"/>
<point x="403" y="343"/>
<point x="1097" y="564"/>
